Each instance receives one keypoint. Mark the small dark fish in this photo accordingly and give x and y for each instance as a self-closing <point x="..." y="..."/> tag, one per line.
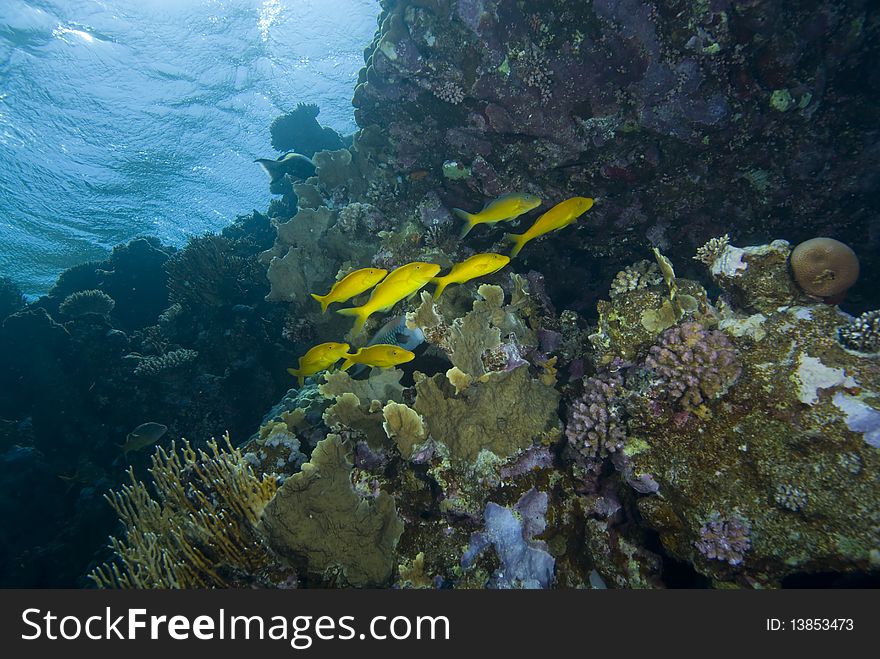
<point x="87" y="473"/>
<point x="296" y="165"/>
<point x="143" y="436"/>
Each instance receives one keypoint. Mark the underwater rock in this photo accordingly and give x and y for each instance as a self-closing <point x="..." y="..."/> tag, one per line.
<point x="756" y="278"/>
<point x="647" y="107"/>
<point x="803" y="410"/>
<point x="318" y="521"/>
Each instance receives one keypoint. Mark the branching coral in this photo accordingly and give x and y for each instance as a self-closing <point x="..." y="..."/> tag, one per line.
<point x="863" y="333"/>
<point x="724" y="539"/>
<point x="596" y="427"/>
<point x="157" y="365"/>
<point x="638" y="275"/>
<point x="201" y="530"/>
<point x="695" y="365"/>
<point x="83" y="303"/>
<point x="709" y="252"/>
<point x="207" y="273"/>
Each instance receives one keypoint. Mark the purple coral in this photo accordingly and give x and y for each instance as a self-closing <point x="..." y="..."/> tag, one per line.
<point x="724" y="540"/>
<point x="595" y="426"/>
<point x="695" y="365"/>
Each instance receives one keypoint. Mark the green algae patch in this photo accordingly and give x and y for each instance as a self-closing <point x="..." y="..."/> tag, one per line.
<point x="318" y="521"/>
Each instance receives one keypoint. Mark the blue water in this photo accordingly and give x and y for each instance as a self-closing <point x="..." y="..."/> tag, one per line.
<point x="127" y="117"/>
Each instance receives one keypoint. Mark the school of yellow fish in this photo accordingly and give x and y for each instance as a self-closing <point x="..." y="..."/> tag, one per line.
<point x="405" y="281"/>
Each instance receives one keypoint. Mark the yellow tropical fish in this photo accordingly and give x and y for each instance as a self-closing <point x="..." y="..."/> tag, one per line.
<point x="478" y="265"/>
<point x="561" y="215"/>
<point x="401" y="283"/>
<point x="383" y="355"/>
<point x="318" y="359"/>
<point x="354" y="283"/>
<point x="506" y="207"/>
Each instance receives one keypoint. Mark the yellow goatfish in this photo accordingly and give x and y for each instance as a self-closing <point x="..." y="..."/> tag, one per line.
<point x="561" y="215"/>
<point x="506" y="207"/>
<point x="318" y="359"/>
<point x="401" y="283"/>
<point x="354" y="283"/>
<point x="383" y="355"/>
<point x="476" y="266"/>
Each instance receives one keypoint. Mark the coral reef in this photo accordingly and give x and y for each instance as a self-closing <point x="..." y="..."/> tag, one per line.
<point x="694" y="365"/>
<point x="300" y="131"/>
<point x="318" y="521"/>
<point x="724" y="540"/>
<point x="201" y="532"/>
<point x="863" y="333"/>
<point x="11" y="298"/>
<point x="596" y="426"/>
<point x="722" y="423"/>
<point x="503" y="413"/>
<point x="639" y="275"/>
<point x="824" y="267"/>
<point x="158" y="365"/>
<point x="87" y="302"/>
<point x="208" y="274"/>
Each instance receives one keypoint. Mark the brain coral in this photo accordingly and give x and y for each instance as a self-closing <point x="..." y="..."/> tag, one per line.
<point x="824" y="267"/>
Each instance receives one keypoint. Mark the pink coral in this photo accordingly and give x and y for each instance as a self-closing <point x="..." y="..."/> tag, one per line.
<point x="695" y="365"/>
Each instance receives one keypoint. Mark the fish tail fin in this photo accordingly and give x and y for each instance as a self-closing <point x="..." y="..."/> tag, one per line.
<point x="323" y="300"/>
<point x="442" y="283"/>
<point x="518" y="240"/>
<point x="360" y="318"/>
<point x="271" y="168"/>
<point x="347" y="364"/>
<point x="469" y="221"/>
<point x="301" y="379"/>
